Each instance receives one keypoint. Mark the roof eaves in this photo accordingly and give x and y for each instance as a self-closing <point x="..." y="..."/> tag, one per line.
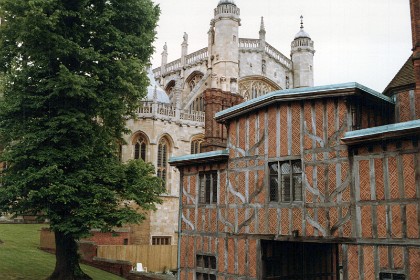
<point x="200" y="157"/>
<point x="298" y="94"/>
<point x="382" y="132"/>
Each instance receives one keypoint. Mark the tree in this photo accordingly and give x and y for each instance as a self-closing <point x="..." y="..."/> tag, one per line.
<point x="74" y="71"/>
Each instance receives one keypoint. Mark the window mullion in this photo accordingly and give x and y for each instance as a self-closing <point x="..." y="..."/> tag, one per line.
<point x="291" y="188"/>
<point x="279" y="183"/>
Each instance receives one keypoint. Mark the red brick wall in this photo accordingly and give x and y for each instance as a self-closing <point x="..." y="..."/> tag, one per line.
<point x="405" y="106"/>
<point x="386" y="198"/>
<point x="109" y="238"/>
<point x="216" y="100"/>
<point x="415" y="27"/>
<point x="385" y="190"/>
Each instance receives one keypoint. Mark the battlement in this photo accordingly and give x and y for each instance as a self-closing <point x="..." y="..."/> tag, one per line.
<point x="202" y="55"/>
<point x="227" y="9"/>
<point x="165" y="112"/>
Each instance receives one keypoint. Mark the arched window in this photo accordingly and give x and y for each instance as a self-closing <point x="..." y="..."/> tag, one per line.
<point x="162" y="158"/>
<point x="140" y="148"/>
<point x="192" y="82"/>
<point x="253" y="87"/>
<point x="170" y="87"/>
<point x="120" y="152"/>
<point x="196" y="146"/>
<point x="197" y="104"/>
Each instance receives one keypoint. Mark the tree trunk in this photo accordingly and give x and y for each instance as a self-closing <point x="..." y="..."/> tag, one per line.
<point x="67" y="259"/>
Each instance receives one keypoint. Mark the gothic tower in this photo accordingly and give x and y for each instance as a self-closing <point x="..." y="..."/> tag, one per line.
<point x="303" y="59"/>
<point x="223" y="43"/>
<point x="224" y="63"/>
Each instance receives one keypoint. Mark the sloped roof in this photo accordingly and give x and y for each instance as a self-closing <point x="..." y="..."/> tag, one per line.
<point x="404" y="78"/>
<point x="200" y="157"/>
<point x="396" y="130"/>
<point x="305" y="93"/>
<point x="155" y="91"/>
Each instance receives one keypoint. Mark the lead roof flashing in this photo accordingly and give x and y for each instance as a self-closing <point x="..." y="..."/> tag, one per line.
<point x="346" y="89"/>
<point x="390" y="131"/>
<point x="213" y="156"/>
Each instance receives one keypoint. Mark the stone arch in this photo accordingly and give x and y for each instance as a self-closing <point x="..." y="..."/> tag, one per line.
<point x="140" y="143"/>
<point x="164" y="152"/>
<point x="170" y="86"/>
<point x="196" y="142"/>
<point x="254" y="86"/>
<point x="170" y="89"/>
<point x="193" y="79"/>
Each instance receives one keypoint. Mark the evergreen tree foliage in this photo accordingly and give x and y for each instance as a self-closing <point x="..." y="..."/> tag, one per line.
<point x="73" y="71"/>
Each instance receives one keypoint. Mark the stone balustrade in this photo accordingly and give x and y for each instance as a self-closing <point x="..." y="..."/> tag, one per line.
<point x="303" y="43"/>
<point x="195" y="116"/>
<point x="173" y="66"/>
<point x="271" y="51"/>
<point x="245" y="43"/>
<point x="196" y="57"/>
<point x="157" y="110"/>
<point x="157" y="72"/>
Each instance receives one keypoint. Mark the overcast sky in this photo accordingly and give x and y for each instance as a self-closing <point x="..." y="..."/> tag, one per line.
<point x="364" y="41"/>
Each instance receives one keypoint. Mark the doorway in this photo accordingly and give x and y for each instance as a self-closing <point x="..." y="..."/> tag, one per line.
<point x="299" y="261"/>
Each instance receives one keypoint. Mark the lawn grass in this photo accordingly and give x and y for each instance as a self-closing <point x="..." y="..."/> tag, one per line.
<point x="21" y="259"/>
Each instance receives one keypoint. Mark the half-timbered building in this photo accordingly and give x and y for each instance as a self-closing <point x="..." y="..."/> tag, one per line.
<point x="309" y="183"/>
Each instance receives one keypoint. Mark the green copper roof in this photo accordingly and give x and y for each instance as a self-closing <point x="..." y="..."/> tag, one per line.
<point x="200" y="156"/>
<point x="378" y="132"/>
<point x="297" y="93"/>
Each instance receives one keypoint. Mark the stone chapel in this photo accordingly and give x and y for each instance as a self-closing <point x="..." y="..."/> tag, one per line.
<point x="171" y="119"/>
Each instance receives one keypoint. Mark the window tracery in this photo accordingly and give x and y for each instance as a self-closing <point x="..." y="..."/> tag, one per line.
<point x="140" y="147"/>
<point x="196" y="145"/>
<point x="194" y="81"/>
<point x="197" y="104"/>
<point x="162" y="159"/>
<point x="250" y="89"/>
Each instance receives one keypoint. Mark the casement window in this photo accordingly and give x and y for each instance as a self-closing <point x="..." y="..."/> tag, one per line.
<point x="285" y="180"/>
<point x="162" y="159"/>
<point x="140" y="148"/>
<point x="161" y="240"/>
<point x="391" y="276"/>
<point x="206" y="267"/>
<point x="208" y="187"/>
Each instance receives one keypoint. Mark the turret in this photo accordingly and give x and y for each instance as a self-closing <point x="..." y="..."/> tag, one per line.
<point x="262" y="30"/>
<point x="303" y="59"/>
<point x="164" y="60"/>
<point x="225" y="49"/>
<point x="184" y="48"/>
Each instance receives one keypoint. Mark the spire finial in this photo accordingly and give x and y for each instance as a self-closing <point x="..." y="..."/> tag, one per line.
<point x="155" y="94"/>
<point x="301" y="22"/>
<point x="262" y="27"/>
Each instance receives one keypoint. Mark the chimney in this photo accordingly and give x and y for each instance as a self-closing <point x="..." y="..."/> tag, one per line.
<point x="216" y="100"/>
<point x="415" y="28"/>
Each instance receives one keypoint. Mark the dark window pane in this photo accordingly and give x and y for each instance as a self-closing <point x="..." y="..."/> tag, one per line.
<point x="274" y="168"/>
<point x="143" y="151"/>
<point x="214" y="187"/>
<point x="297" y="166"/>
<point x="274" y="188"/>
<point x="285" y="168"/>
<point x="297" y="187"/>
<point x="136" y="151"/>
<point x="202" y="193"/>
<point x="285" y="188"/>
